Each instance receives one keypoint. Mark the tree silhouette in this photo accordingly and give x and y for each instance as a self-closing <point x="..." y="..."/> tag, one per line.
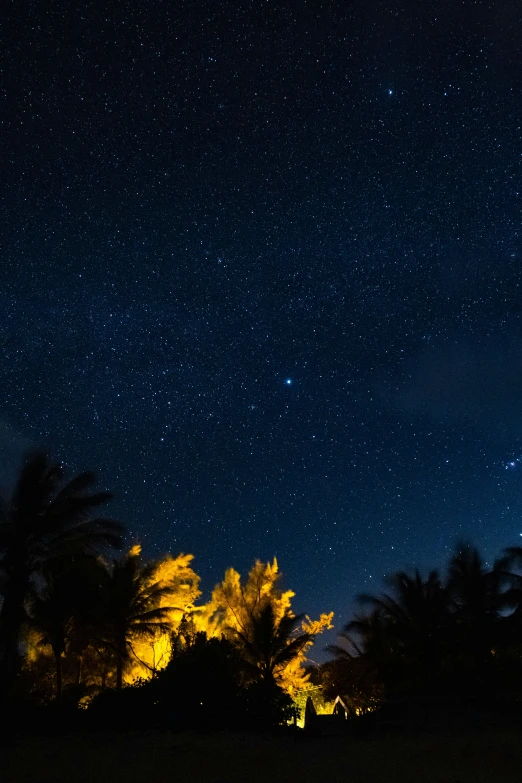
<point x="67" y="610"/>
<point x="425" y="639"/>
<point x="475" y="592"/>
<point x="402" y="640"/>
<point x="202" y="683"/>
<point x="365" y="638"/>
<point x="46" y="521"/>
<point x="53" y="614"/>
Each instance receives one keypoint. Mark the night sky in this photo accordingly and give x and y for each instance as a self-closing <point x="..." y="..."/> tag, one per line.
<point x="261" y="267"/>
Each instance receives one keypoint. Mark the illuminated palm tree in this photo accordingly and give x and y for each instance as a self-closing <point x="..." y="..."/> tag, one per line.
<point x="46" y="521"/>
<point x="267" y="644"/>
<point x="132" y="608"/>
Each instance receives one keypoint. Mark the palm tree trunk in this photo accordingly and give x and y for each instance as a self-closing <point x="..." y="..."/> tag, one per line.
<point x="119" y="667"/>
<point x="121" y="656"/>
<point x="119" y="673"/>
<point x="268" y="675"/>
<point x="79" y="662"/>
<point x="58" y="661"/>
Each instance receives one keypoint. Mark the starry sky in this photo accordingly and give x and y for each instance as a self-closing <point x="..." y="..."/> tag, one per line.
<point x="261" y="268"/>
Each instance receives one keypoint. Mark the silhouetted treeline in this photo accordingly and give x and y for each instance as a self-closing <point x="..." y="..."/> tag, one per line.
<point x="98" y="638"/>
<point x="456" y="639"/>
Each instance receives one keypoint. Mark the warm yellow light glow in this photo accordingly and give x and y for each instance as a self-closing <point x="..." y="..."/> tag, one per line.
<point x="232" y="604"/>
<point x="231" y="607"/>
<point x="150" y="655"/>
<point x="315" y="692"/>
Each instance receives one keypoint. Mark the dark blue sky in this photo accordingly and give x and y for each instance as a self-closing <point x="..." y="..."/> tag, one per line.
<point x="204" y="200"/>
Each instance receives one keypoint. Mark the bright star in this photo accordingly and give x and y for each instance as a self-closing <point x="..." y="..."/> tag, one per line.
<point x="288" y="382"/>
<point x="390" y="92"/>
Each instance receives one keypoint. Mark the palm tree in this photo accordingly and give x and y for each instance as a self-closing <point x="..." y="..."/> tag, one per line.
<point x="46" y="521"/>
<point x="415" y="616"/>
<point x="402" y="639"/>
<point x="365" y="636"/>
<point x="53" y="615"/>
<point x="473" y="588"/>
<point x="477" y="598"/>
<point x="133" y="608"/>
<point x="66" y="611"/>
<point x="267" y="644"/>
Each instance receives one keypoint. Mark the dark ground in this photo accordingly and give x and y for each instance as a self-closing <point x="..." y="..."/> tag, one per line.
<point x="478" y="756"/>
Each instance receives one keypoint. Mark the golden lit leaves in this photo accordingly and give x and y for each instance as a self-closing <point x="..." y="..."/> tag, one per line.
<point x="315" y="627"/>
<point x="176" y="573"/>
<point x="294" y="677"/>
<point x="233" y="605"/>
<point x="163" y="610"/>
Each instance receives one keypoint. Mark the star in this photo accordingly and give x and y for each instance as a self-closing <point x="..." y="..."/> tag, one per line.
<point x="166" y="329"/>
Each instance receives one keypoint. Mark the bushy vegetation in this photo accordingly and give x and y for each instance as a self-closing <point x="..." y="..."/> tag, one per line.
<point x="125" y="640"/>
<point x="113" y="641"/>
<point x="435" y="640"/>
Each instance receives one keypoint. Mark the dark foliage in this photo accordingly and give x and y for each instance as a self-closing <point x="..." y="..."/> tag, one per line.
<point x="202" y="684"/>
<point x="204" y="687"/>
<point x="47" y="522"/>
<point x="209" y="685"/>
<point x="434" y="643"/>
